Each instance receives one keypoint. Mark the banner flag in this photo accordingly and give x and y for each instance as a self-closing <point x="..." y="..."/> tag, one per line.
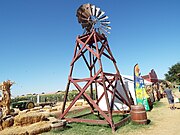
<point x="141" y="95"/>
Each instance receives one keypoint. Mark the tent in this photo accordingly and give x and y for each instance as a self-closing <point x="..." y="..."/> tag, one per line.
<point x="118" y="105"/>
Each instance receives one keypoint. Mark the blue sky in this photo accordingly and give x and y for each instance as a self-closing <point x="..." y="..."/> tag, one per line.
<point x="37" y="39"/>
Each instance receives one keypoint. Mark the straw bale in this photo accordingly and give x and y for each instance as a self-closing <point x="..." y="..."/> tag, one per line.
<point x="46" y="114"/>
<point x="59" y="103"/>
<point x="28" y="118"/>
<point x="24" y="111"/>
<point x="38" y="128"/>
<point x="51" y="119"/>
<point x="52" y="110"/>
<point x="79" y="103"/>
<point x="36" y="108"/>
<point x="8" y="122"/>
<point x="14" y="131"/>
<point x="85" y="103"/>
<point x="32" y="129"/>
<point x="55" y="107"/>
<point x="47" y="107"/>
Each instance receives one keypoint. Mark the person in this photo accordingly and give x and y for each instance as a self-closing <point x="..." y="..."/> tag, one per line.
<point x="170" y="97"/>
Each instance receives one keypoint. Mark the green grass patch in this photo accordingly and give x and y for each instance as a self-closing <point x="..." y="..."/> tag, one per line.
<point x="76" y="113"/>
<point x="86" y="128"/>
<point x="83" y="129"/>
<point x="95" y="129"/>
<point x="92" y="129"/>
<point x="131" y="127"/>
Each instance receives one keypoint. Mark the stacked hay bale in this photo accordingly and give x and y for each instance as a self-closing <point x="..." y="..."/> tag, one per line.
<point x="32" y="129"/>
<point x="26" y="122"/>
<point x="32" y="121"/>
<point x="28" y="118"/>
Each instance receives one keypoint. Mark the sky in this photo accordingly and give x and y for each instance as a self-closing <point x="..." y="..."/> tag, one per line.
<point x="37" y="39"/>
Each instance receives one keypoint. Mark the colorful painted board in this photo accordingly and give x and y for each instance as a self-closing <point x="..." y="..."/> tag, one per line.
<point x="141" y="95"/>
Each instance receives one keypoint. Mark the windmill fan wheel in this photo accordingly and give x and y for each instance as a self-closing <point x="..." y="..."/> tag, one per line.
<point x="91" y="17"/>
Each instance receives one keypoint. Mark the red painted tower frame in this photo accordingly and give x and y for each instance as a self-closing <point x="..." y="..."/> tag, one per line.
<point x="96" y="45"/>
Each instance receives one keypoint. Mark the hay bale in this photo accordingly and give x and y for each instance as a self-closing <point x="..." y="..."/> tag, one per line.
<point x="28" y="118"/>
<point x="52" y="110"/>
<point x="85" y="103"/>
<point x="47" y="107"/>
<point x="24" y="111"/>
<point x="36" y="108"/>
<point x="16" y="110"/>
<point x="59" y="108"/>
<point x="32" y="129"/>
<point x="46" y="114"/>
<point x="78" y="103"/>
<point x="38" y="128"/>
<point x="14" y="131"/>
<point x="8" y="122"/>
<point x="51" y="119"/>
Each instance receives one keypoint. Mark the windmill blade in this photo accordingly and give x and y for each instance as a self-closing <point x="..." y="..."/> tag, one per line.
<point x="101" y="14"/>
<point x="106" y="26"/>
<point x="109" y="27"/>
<point x="104" y="30"/>
<point x="93" y="10"/>
<point x="103" y="18"/>
<point x="97" y="11"/>
<point x="81" y="12"/>
<point x="85" y="25"/>
<point x="105" y="21"/>
<point x="89" y="8"/>
<point x="82" y="20"/>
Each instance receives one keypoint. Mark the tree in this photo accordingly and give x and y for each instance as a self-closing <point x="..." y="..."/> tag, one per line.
<point x="173" y="75"/>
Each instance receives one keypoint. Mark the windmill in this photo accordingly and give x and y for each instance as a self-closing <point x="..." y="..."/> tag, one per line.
<point x="92" y="48"/>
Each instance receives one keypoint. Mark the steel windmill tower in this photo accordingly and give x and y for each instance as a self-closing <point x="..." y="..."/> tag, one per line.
<point x="92" y="47"/>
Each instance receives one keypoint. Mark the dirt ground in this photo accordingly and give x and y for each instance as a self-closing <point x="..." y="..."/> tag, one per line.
<point x="163" y="121"/>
